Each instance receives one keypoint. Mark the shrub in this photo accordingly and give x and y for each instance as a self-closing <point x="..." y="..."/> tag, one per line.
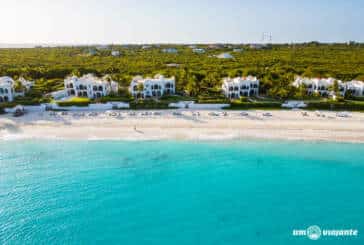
<point x="75" y="102"/>
<point x="28" y="100"/>
<point x="106" y="99"/>
<point x="336" y="105"/>
<point x="176" y="98"/>
<point x="252" y="105"/>
<point x="148" y="104"/>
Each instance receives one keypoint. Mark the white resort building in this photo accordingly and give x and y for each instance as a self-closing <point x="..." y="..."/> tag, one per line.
<point x="7" y="88"/>
<point x="198" y="50"/>
<point x="320" y="86"/>
<point x="234" y="88"/>
<point x="323" y="86"/>
<point x="152" y="87"/>
<point x="170" y="50"/>
<point x="7" y="92"/>
<point x="115" y="53"/>
<point x="89" y="86"/>
<point x="356" y="88"/>
<point x="224" y="56"/>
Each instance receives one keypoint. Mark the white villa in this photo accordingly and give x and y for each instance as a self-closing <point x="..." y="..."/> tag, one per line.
<point x="355" y="87"/>
<point x="319" y="86"/>
<point x="89" y="86"/>
<point x="115" y="53"/>
<point x="322" y="86"/>
<point x="91" y="52"/>
<point x="170" y="50"/>
<point x="234" y="88"/>
<point x="152" y="87"/>
<point x="225" y="56"/>
<point x="198" y="50"/>
<point x="7" y="92"/>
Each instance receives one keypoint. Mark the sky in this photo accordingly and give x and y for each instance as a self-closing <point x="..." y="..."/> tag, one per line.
<point x="180" y="21"/>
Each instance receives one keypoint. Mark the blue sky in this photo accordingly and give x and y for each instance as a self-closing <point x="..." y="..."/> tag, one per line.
<point x="172" y="21"/>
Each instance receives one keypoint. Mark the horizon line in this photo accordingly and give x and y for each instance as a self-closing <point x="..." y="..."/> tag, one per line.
<point x="58" y="44"/>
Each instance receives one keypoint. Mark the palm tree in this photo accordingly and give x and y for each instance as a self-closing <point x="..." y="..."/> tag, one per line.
<point x="140" y="88"/>
<point x="335" y="89"/>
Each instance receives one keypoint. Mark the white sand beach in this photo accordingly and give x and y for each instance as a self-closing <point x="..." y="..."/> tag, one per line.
<point x="183" y="124"/>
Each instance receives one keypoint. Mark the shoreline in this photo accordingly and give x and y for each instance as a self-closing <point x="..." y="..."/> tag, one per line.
<point x="186" y="125"/>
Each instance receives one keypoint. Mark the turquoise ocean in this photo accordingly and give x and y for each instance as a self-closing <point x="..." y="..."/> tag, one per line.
<point x="179" y="192"/>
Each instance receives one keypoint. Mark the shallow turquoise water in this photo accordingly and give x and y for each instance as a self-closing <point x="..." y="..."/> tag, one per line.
<point x="165" y="192"/>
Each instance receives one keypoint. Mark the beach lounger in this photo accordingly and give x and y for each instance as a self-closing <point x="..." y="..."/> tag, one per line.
<point x="343" y="114"/>
<point x="244" y="114"/>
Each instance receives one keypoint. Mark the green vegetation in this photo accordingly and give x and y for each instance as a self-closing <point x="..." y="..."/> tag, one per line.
<point x="336" y="105"/>
<point x="198" y="76"/>
<point x="148" y="104"/>
<point x="75" y="101"/>
<point x="176" y="98"/>
<point x="241" y="104"/>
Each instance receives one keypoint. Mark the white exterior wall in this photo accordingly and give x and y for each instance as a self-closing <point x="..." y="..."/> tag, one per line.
<point x="355" y="87"/>
<point x="90" y="107"/>
<point x="115" y="53"/>
<point x="195" y="106"/>
<point x="225" y="56"/>
<point x="89" y="86"/>
<point x="153" y="87"/>
<point x="240" y="86"/>
<point x="198" y="50"/>
<point x="170" y="50"/>
<point x="7" y="92"/>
